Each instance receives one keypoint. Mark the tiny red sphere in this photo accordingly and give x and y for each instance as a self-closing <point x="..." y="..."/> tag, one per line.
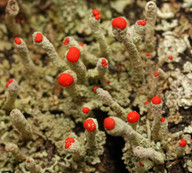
<point x="38" y="37"/>
<point x="143" y="22"/>
<point x="148" y="53"/>
<point x="17" y="40"/>
<point x="96" y="12"/>
<point x="156" y="74"/>
<point x="146" y="102"/>
<point x="156" y="100"/>
<point x="95" y="88"/>
<point x="89" y="125"/>
<point x="162" y="119"/>
<point x="65" y="79"/>
<point x="81" y="44"/>
<point x="119" y="22"/>
<point x="109" y="123"/>
<point x="73" y="54"/>
<point x="182" y="143"/>
<point x="85" y="110"/>
<point x="140" y="163"/>
<point x="66" y="41"/>
<point x="132" y="117"/>
<point x="70" y="140"/>
<point x="109" y="82"/>
<point x="171" y="57"/>
<point x="97" y="17"/>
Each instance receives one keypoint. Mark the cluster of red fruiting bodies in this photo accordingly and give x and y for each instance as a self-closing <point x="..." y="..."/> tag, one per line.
<point x="89" y="125"/>
<point x="66" y="80"/>
<point x="104" y="62"/>
<point x="141" y="22"/>
<point x="96" y="14"/>
<point x="68" y="142"/>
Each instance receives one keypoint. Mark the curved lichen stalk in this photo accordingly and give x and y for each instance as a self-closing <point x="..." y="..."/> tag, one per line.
<point x="23" y="51"/>
<point x="40" y="40"/>
<point x="136" y="65"/>
<point x="12" y="10"/>
<point x="12" y="87"/>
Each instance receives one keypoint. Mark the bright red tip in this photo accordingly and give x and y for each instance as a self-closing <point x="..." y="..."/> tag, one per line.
<point x="109" y="82"/>
<point x="65" y="79"/>
<point x="156" y="100"/>
<point x="73" y="54"/>
<point x="89" y="125"/>
<point x="70" y="139"/>
<point x="68" y="142"/>
<point x="148" y="53"/>
<point x="9" y="81"/>
<point x="139" y="22"/>
<point x="81" y="44"/>
<point x="96" y="12"/>
<point x="156" y="74"/>
<point x="119" y="22"/>
<point x="182" y="143"/>
<point x="17" y="40"/>
<point x="95" y="88"/>
<point x="66" y="41"/>
<point x="109" y="123"/>
<point x="171" y="57"/>
<point x="132" y="117"/>
<point x="38" y="37"/>
<point x="146" y="102"/>
<point x="143" y="22"/>
<point x="162" y="119"/>
<point x="140" y="163"/>
<point x="85" y="110"/>
<point x="104" y="62"/>
<point x="97" y="17"/>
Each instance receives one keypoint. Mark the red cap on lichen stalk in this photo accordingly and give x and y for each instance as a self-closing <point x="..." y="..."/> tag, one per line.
<point x="73" y="54"/>
<point x="119" y="22"/>
<point x="132" y="117"/>
<point x="90" y="125"/>
<point x="85" y="110"/>
<point x="65" y="79"/>
<point x="156" y="100"/>
<point x="96" y="13"/>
